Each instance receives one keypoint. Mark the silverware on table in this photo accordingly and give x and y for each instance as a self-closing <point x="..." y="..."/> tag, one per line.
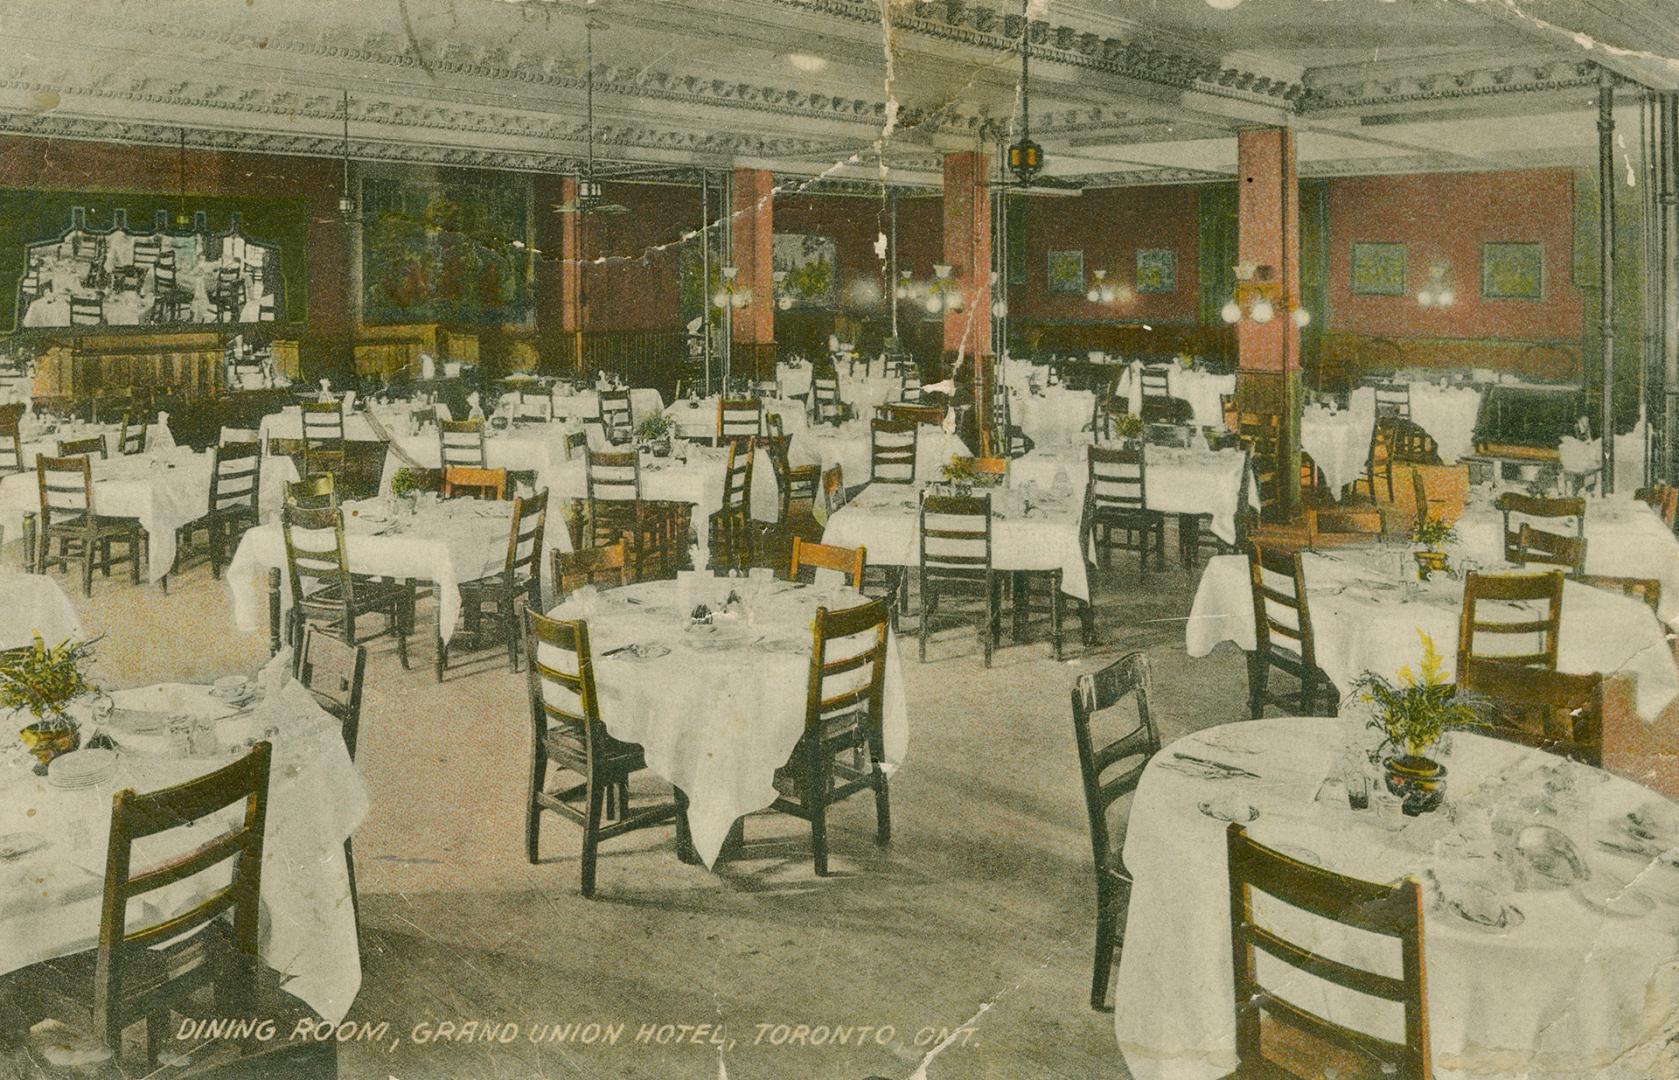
<point x="1208" y="763"/>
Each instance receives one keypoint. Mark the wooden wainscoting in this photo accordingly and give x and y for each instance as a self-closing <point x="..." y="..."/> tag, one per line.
<point x="383" y="350"/>
<point x="655" y="358"/>
<point x="1358" y="355"/>
<point x="103" y="365"/>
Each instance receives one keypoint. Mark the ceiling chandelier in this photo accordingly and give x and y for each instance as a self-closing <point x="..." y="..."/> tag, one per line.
<point x="1026" y="158"/>
<point x="589" y="198"/>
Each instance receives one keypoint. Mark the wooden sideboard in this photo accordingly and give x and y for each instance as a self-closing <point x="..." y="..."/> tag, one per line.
<point x="383" y="350"/>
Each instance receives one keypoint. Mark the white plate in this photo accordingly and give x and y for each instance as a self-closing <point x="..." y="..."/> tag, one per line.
<point x="1229" y="810"/>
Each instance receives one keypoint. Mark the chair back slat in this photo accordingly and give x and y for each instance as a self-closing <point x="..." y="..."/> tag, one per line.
<point x="848" y="561"/>
<point x="955" y="537"/>
<point x="604" y="567"/>
<point x="612" y="474"/>
<point x="848" y="666"/>
<point x="235" y="477"/>
<point x="1529" y="617"/>
<point x="1549" y="710"/>
<point x="1389" y="911"/>
<point x="66" y="487"/>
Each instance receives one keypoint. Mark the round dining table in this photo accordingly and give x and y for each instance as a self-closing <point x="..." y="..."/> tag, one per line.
<point x="717" y="706"/>
<point x="1526" y="974"/>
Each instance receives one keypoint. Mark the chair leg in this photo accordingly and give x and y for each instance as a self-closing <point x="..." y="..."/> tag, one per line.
<point x="1107" y="918"/>
<point x="819" y="837"/>
<point x="87" y="567"/>
<point x="1258" y="670"/>
<point x="1055" y="605"/>
<point x="882" y="805"/>
<point x="684" y="834"/>
<point x="926" y="619"/>
<point x="591" y="835"/>
<point x="350" y="874"/>
<point x="157" y="1028"/>
<point x="510" y="621"/>
<point x="533" y="809"/>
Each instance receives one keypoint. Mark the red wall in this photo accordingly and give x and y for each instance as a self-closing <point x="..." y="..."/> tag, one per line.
<point x="1444" y="219"/>
<point x="1109" y="226"/>
<point x="48" y="164"/>
<point x="636" y="287"/>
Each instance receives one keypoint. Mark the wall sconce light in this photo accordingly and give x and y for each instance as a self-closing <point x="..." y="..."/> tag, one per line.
<point x="905" y="289"/>
<point x="1436" y="294"/>
<point x="944" y="292"/>
<point x="783" y="298"/>
<point x="1259" y="297"/>
<point x="730" y="293"/>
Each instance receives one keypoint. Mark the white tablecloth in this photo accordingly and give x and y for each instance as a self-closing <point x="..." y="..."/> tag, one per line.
<point x="1448" y="414"/>
<point x="1362" y="621"/>
<point x="1624" y="538"/>
<point x="1055" y="416"/>
<point x="1204" y="390"/>
<point x="534" y="447"/>
<point x="49" y="901"/>
<point x="165" y="490"/>
<point x="1563" y="994"/>
<point x="37" y="440"/>
<point x="794" y="381"/>
<point x="445" y="543"/>
<point x="1339" y="440"/>
<point x="584" y="404"/>
<point x="717" y="721"/>
<point x="1586" y="457"/>
<point x="697" y="419"/>
<point x="886" y="519"/>
<point x="1177" y="481"/>
<point x="32" y="604"/>
<point x="288" y="424"/>
<point x="848" y="447"/>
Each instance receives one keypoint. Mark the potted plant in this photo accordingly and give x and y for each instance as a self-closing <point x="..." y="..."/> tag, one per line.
<point x="1127" y="427"/>
<point x="961" y="473"/>
<point x="655" y="432"/>
<point x="1433" y="534"/>
<point x="406" y="485"/>
<point x="1412" y="714"/>
<point x="44" y="681"/>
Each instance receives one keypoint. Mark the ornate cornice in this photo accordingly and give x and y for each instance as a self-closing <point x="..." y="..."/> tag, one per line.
<point x="1381" y="90"/>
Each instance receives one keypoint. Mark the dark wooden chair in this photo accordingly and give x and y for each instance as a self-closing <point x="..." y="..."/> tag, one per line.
<point x="312" y="492"/>
<point x="1535" y="632"/>
<point x="612" y="482"/>
<point x="11" y="438"/>
<point x="460" y="442"/>
<point x="132" y="435"/>
<point x="69" y="516"/>
<point x="325" y="593"/>
<point x="848" y="561"/>
<point x="826" y="404"/>
<point x="1663" y="499"/>
<point x="1282" y="626"/>
<point x="1391" y="911"/>
<point x="87" y="311"/>
<point x="474" y="482"/>
<point x="576" y="442"/>
<point x="235" y="489"/>
<point x="842" y="748"/>
<point x="1536" y="546"/>
<point x="617" y="415"/>
<point x="87" y="447"/>
<point x="323" y="437"/>
<point x="1111" y="771"/>
<point x="567" y="732"/>
<point x="1419" y="496"/>
<point x="1006" y="438"/>
<point x="1379" y="459"/>
<point x="1393" y="400"/>
<point x="1549" y="710"/>
<point x="1261" y="435"/>
<point x="903" y="413"/>
<point x="333" y="672"/>
<point x="1649" y="590"/>
<point x="1562" y="515"/>
<point x="730" y="526"/>
<point x="955" y="563"/>
<point x="146" y="968"/>
<point x="1116" y="496"/>
<point x="892" y="451"/>
<point x="520" y="579"/>
<point x="606" y="567"/>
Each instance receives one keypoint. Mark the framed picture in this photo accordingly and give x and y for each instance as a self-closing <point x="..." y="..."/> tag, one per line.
<point x="1513" y="271"/>
<point x="810" y="263"/>
<point x="1066" y="273"/>
<point x="1157" y="270"/>
<point x="1378" y="269"/>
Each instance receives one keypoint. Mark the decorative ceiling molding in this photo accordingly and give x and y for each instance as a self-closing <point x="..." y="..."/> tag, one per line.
<point x="794" y="184"/>
<point x="1539" y="77"/>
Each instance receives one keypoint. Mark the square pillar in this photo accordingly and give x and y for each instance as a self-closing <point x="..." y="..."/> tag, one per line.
<point x="1268" y="238"/>
<point x="571" y="276"/>
<point x="751" y="247"/>
<point x="967" y="249"/>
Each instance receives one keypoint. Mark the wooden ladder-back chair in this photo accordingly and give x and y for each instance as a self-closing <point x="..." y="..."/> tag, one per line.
<point x="730" y="526"/>
<point x="1555" y="513"/>
<point x="519" y="581"/>
<point x="605" y="567"/>
<point x="1536" y="546"/>
<point x="567" y="732"/>
<point x="460" y="442"/>
<point x="1391" y="911"/>
<point x="324" y="592"/>
<point x="1110" y="772"/>
<point x="955" y="539"/>
<point x="131" y="438"/>
<point x="739" y="418"/>
<point x="842" y="750"/>
<point x="848" y="561"/>
<point x="893" y="445"/>
<point x="68" y="515"/>
<point x="474" y="482"/>
<point x="1283" y="635"/>
<point x="333" y="673"/>
<point x="1536" y="632"/>
<point x="1550" y="710"/>
<point x="1116" y="496"/>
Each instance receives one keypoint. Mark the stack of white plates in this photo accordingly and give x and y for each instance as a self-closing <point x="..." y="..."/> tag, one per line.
<point x="82" y="769"/>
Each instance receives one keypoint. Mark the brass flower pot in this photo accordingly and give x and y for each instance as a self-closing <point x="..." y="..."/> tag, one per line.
<point x="47" y="742"/>
<point x="1420" y="782"/>
<point x="1430" y="563"/>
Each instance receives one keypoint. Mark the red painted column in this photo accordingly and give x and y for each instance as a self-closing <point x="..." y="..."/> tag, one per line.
<point x="1268" y="239"/>
<point x="967" y="249"/>
<point x="752" y="228"/>
<point x="571" y="275"/>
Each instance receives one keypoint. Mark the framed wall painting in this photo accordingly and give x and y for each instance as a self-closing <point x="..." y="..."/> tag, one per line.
<point x="1157" y="270"/>
<point x="1066" y="273"/>
<point x="811" y="265"/>
<point x="1378" y="269"/>
<point x="1512" y="271"/>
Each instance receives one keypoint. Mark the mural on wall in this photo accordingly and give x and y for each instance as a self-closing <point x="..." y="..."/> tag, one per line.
<point x="1512" y="271"/>
<point x="446" y="250"/>
<point x="1157" y="270"/>
<point x="811" y="264"/>
<point x="1378" y="269"/>
<point x="1066" y="273"/>
<point x="125" y="274"/>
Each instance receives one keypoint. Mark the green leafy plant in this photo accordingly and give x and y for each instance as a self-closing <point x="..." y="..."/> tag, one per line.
<point x="1414" y="712"/>
<point x="407" y="482"/>
<point x="960" y="470"/>
<point x="43" y="680"/>
<point x="1127" y="425"/>
<point x="1434" y="533"/>
<point x="654" y="428"/>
